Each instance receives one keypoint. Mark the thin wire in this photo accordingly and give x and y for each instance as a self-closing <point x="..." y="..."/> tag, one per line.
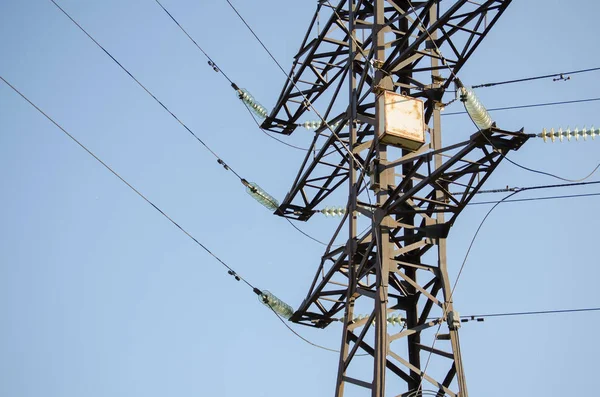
<point x="530" y="106"/>
<point x="219" y="159"/>
<point x="362" y="175"/>
<point x="538" y="187"/>
<point x="269" y="135"/>
<point x="538" y="198"/>
<point x="496" y="203"/>
<point x="300" y="336"/>
<point x="308" y="102"/>
<point x="229" y="268"/>
<point x="589" y="309"/>
<point x="306" y="234"/>
<point x="220" y="70"/>
<point x="462" y="266"/>
<point x="485" y="85"/>
<point x="194" y="41"/>
<point x="532" y="169"/>
<point x="227" y="167"/>
<point x="232" y="272"/>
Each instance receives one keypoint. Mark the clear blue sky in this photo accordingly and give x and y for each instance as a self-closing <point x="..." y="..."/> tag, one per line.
<point x="101" y="296"/>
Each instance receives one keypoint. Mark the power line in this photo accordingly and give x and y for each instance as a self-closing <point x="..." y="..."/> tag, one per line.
<point x="530" y="106"/>
<point x="219" y="159"/>
<point x="230" y="270"/>
<point x="308" y="102"/>
<point x="269" y="135"/>
<point x="537" y="187"/>
<point x="556" y="76"/>
<point x="462" y="266"/>
<point x="218" y="69"/>
<point x="210" y="61"/>
<point x="528" y="168"/>
<point x="538" y="198"/>
<point x="289" y="78"/>
<point x="533" y="313"/>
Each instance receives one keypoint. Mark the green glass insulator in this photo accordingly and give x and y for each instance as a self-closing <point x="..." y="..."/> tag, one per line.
<point x="261" y="196"/>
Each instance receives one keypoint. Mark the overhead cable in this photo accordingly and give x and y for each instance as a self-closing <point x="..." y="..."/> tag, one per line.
<point x="530" y="106"/>
<point x="230" y="269"/>
<point x="554" y="76"/>
<point x="533" y="313"/>
<point x="289" y="78"/>
<point x="537" y="198"/>
<point x="253" y="189"/>
<point x="537" y="187"/>
<point x="280" y="309"/>
<point x="476" y="109"/>
<point x="218" y="69"/>
<point x="219" y="159"/>
<point x="462" y="266"/>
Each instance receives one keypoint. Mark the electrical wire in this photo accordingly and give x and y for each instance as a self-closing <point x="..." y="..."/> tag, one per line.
<point x="269" y="135"/>
<point x="300" y="336"/>
<point x="230" y="270"/>
<point x="211" y="62"/>
<point x="304" y="233"/>
<point x="535" y="105"/>
<point x="532" y="313"/>
<point x="538" y="187"/>
<point x="532" y="169"/>
<point x="215" y="67"/>
<point x="537" y="198"/>
<point x="462" y="266"/>
<point x="219" y="159"/>
<point x="289" y="78"/>
<point x="528" y="168"/>
<point x="308" y="102"/>
<point x="560" y="76"/>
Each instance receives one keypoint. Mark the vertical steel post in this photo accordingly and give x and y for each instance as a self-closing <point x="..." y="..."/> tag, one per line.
<point x="353" y="188"/>
<point x="381" y="228"/>
<point x="436" y="139"/>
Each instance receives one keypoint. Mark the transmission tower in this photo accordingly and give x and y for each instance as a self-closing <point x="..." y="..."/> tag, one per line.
<point x="395" y="59"/>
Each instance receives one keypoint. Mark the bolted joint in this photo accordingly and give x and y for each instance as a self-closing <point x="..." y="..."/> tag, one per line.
<point x="453" y="320"/>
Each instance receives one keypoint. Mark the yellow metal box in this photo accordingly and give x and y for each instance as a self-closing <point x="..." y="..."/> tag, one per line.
<point x="404" y="121"/>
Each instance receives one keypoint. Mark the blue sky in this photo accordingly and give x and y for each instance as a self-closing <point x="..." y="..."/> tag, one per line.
<point x="101" y="296"/>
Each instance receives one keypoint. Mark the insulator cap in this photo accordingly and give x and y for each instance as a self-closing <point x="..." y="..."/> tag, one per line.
<point x="333" y="211"/>
<point x="393" y="319"/>
<point x="474" y="108"/>
<point x="261" y="196"/>
<point x="561" y="134"/>
<point x="256" y="108"/>
<point x="280" y="307"/>
<point x="316" y="124"/>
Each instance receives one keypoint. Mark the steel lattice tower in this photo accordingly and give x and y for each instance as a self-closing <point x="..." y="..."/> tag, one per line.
<point x="399" y="267"/>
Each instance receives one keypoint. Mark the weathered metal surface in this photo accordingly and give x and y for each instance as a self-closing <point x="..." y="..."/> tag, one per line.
<point x="404" y="121"/>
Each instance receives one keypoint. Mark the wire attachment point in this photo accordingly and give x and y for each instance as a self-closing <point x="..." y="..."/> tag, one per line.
<point x="223" y="164"/>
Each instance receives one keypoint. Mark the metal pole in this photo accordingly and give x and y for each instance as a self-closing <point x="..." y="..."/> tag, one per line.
<point x="381" y="229"/>
<point x="352" y="199"/>
<point x="436" y="139"/>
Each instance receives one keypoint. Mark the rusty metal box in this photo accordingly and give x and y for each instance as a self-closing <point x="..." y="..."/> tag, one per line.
<point x="404" y="121"/>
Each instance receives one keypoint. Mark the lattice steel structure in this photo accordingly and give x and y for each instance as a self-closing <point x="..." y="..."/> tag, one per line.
<point x="398" y="266"/>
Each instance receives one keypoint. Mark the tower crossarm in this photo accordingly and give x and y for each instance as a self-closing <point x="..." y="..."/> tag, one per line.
<point x="321" y="65"/>
<point x="447" y="189"/>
